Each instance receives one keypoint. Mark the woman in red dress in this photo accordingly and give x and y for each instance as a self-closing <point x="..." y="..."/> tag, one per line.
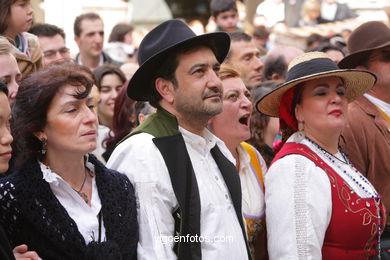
<point x="318" y="206"/>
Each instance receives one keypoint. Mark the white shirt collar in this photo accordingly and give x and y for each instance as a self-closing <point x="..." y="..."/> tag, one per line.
<point x="52" y="177"/>
<point x="379" y="103"/>
<point x="203" y="144"/>
<point x="243" y="157"/>
<point x="101" y="61"/>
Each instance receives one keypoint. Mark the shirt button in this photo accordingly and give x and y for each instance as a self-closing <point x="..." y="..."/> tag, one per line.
<point x="226" y="196"/>
<point x="216" y="178"/>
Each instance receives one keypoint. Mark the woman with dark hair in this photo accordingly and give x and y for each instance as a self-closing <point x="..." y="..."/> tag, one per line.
<point x="122" y="32"/>
<point x="61" y="201"/>
<point x="264" y="129"/>
<point x="318" y="206"/>
<point x="109" y="81"/>
<point x="120" y="43"/>
<point x="123" y="122"/>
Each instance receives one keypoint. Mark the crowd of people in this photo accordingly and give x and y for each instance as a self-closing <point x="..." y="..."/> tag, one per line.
<point x="192" y="145"/>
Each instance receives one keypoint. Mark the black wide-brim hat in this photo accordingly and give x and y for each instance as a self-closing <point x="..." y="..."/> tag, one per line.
<point x="153" y="50"/>
<point x="364" y="39"/>
<point x="314" y="65"/>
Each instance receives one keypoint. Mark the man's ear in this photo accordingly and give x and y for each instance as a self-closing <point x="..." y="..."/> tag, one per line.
<point x="77" y="40"/>
<point x="166" y="89"/>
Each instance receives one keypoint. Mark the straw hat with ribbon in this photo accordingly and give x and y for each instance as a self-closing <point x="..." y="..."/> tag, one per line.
<point x="309" y="66"/>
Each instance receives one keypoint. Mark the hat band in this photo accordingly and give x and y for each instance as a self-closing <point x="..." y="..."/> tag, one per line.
<point x="310" y="67"/>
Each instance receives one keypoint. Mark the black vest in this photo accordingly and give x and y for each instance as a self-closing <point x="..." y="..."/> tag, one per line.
<point x="164" y="127"/>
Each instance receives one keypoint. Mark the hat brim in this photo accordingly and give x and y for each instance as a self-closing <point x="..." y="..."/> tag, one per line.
<point x="353" y="60"/>
<point x="357" y="82"/>
<point x="140" y="85"/>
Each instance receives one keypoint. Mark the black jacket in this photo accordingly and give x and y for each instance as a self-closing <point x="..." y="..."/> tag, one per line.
<point x="31" y="214"/>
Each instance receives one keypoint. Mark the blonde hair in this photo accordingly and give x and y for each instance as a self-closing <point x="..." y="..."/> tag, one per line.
<point x="309" y="6"/>
<point x="228" y="70"/>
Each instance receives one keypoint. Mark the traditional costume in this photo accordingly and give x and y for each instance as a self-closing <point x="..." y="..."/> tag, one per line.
<point x="318" y="205"/>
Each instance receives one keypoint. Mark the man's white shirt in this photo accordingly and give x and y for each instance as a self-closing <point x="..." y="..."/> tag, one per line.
<point x="142" y="162"/>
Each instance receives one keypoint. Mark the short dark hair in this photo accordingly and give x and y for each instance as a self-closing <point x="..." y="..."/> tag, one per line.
<point x="107" y="69"/>
<point x="237" y="37"/>
<point x="46" y="30"/>
<point x="119" y="31"/>
<point x="5" y="12"/>
<point x="36" y="93"/>
<point x="313" y="38"/>
<point x="275" y="64"/>
<point x="3" y="87"/>
<point x="80" y="18"/>
<point x="261" y="32"/>
<point x="220" y="6"/>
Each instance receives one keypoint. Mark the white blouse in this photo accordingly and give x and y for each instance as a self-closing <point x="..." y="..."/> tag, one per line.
<point x="299" y="202"/>
<point x="252" y="191"/>
<point x="86" y="217"/>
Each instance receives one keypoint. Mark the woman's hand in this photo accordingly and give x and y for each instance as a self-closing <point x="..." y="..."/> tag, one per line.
<point x="21" y="253"/>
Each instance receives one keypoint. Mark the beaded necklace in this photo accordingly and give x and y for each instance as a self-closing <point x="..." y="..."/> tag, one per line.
<point x="359" y="181"/>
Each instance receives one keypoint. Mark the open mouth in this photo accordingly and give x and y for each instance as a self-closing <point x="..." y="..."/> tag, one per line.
<point x="244" y="120"/>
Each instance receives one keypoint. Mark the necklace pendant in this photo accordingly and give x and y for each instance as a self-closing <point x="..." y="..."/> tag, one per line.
<point x="83" y="196"/>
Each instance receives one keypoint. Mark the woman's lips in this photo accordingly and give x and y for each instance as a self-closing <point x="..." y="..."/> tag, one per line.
<point x="336" y="112"/>
<point x="7" y="155"/>
<point x="90" y="133"/>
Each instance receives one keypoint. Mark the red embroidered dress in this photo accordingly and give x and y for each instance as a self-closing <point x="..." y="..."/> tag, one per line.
<point x="353" y="231"/>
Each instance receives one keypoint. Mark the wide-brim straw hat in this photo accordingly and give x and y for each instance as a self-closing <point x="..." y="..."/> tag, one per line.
<point x="314" y="65"/>
<point x="166" y="37"/>
<point x="363" y="40"/>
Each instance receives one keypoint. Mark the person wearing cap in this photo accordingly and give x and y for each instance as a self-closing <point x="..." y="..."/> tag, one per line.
<point x="318" y="206"/>
<point x="366" y="137"/>
<point x="187" y="186"/>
